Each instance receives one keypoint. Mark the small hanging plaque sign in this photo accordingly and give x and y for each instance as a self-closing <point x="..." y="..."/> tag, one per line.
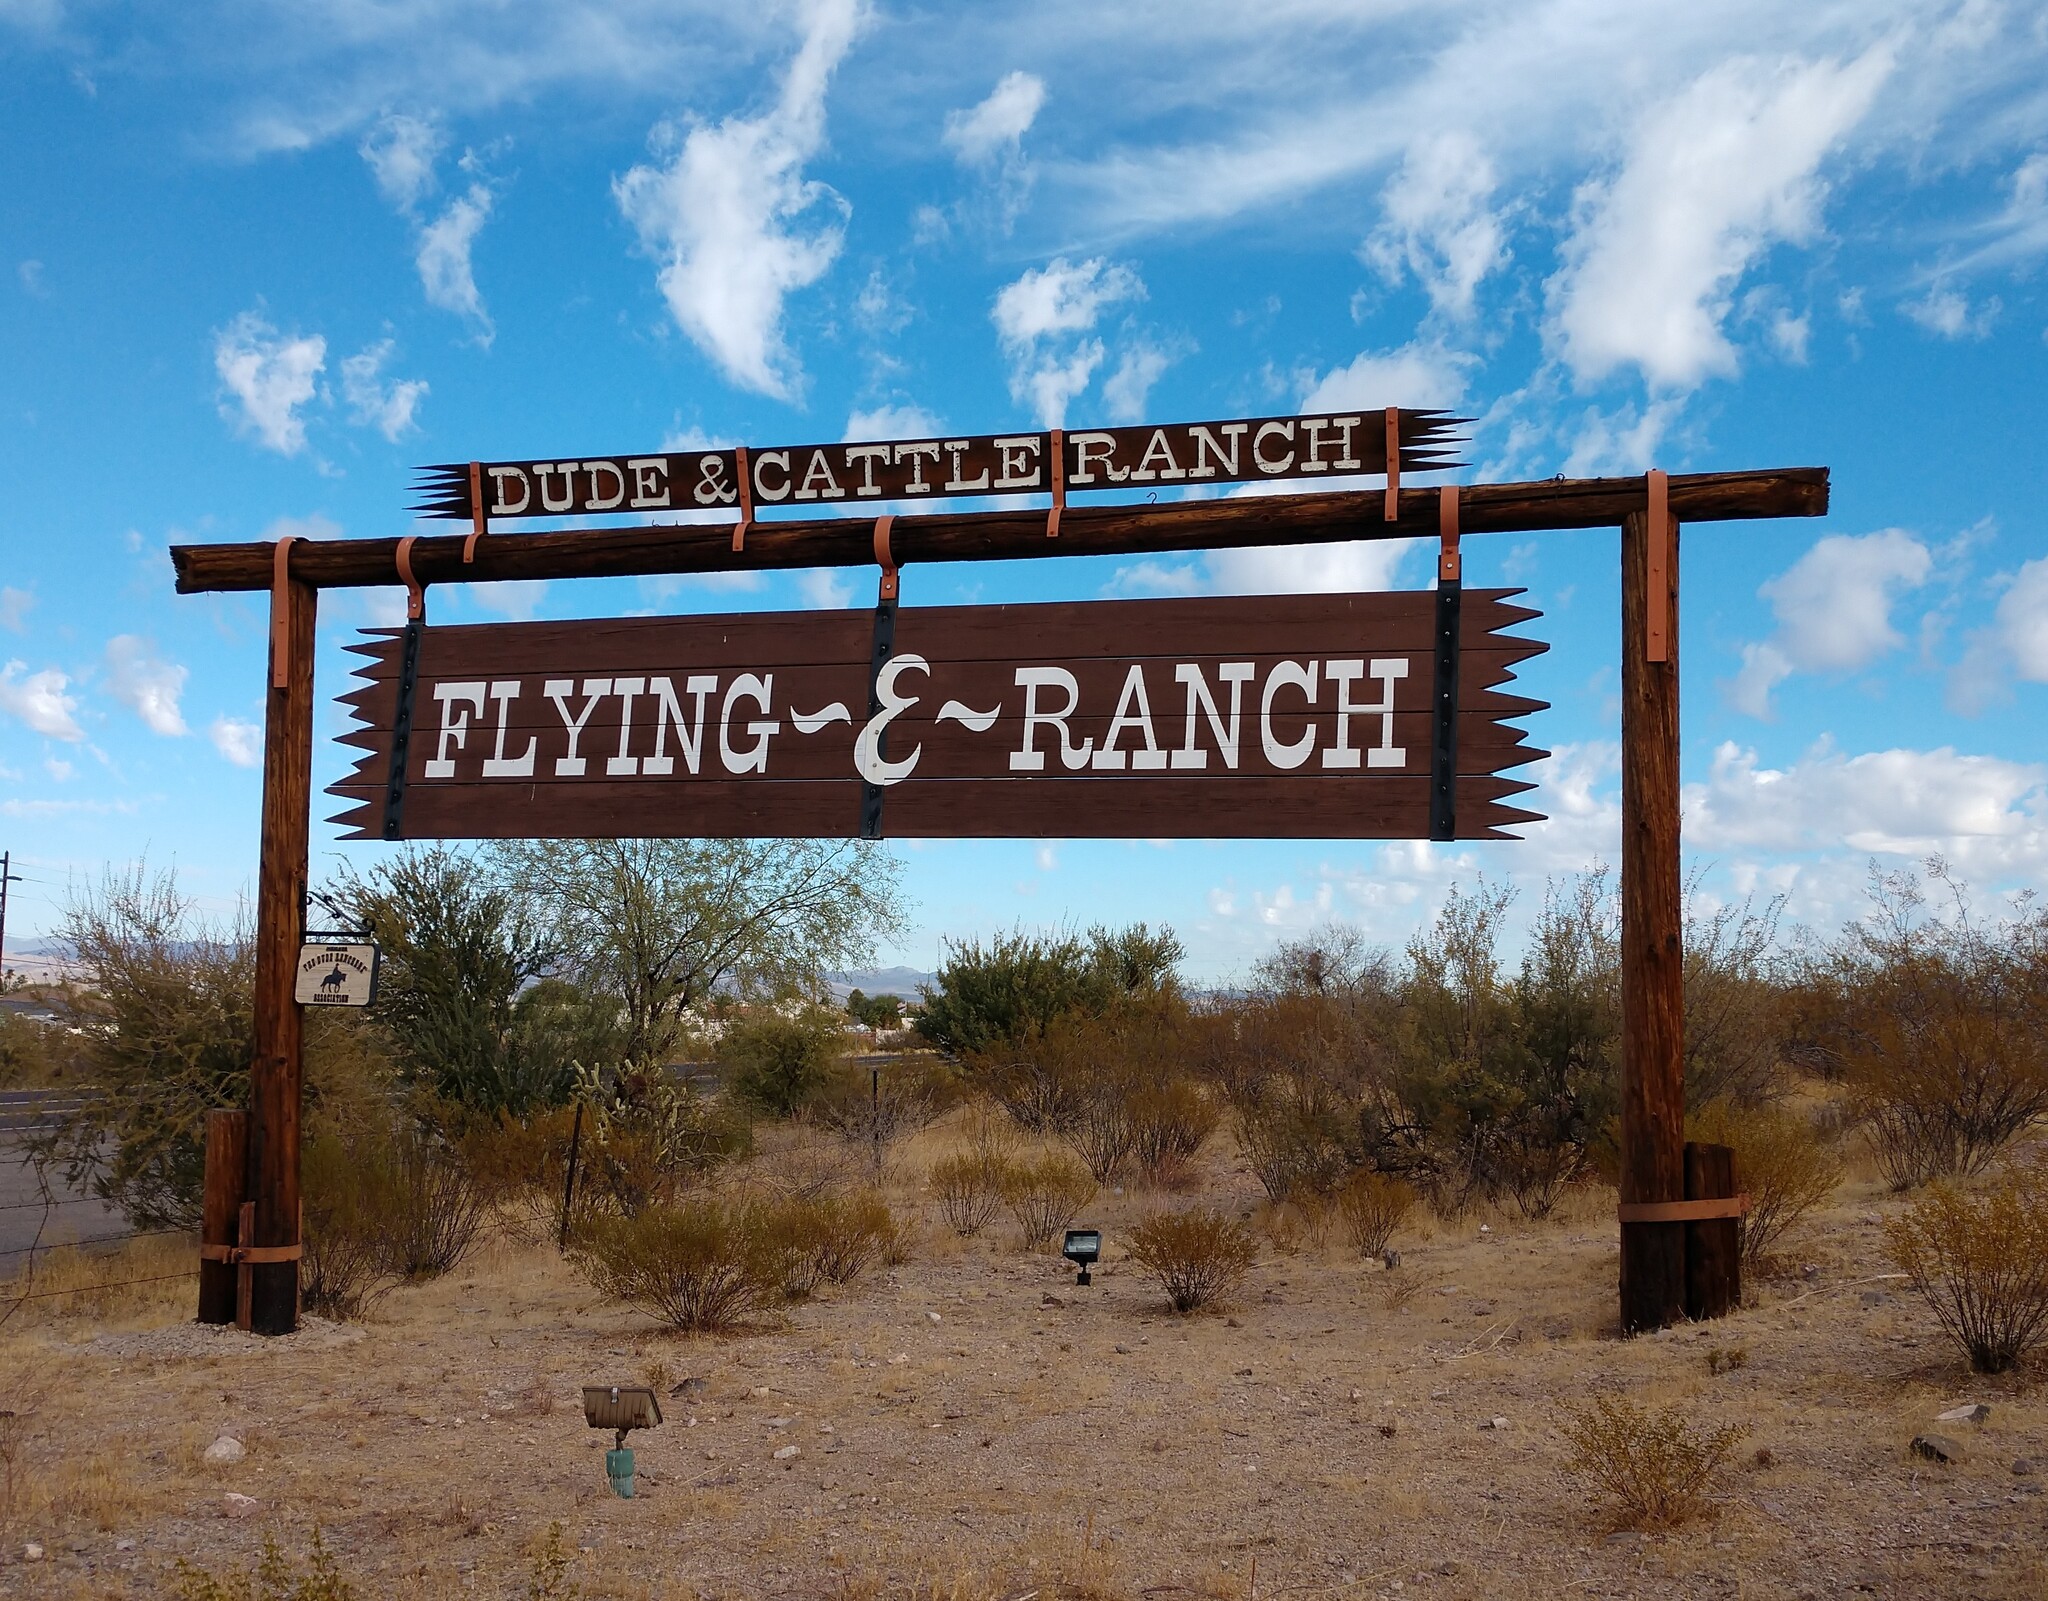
<point x="336" y="974"/>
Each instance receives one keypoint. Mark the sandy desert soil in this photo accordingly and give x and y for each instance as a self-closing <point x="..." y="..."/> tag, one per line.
<point x="968" y="1425"/>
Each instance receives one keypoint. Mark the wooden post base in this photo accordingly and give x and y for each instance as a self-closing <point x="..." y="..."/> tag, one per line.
<point x="227" y="1162"/>
<point x="1713" y="1246"/>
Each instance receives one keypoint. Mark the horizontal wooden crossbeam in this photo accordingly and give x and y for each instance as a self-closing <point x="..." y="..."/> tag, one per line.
<point x="1231" y="521"/>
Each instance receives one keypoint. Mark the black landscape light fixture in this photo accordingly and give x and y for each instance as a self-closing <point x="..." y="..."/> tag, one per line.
<point x="621" y="1407"/>
<point x="1083" y="1248"/>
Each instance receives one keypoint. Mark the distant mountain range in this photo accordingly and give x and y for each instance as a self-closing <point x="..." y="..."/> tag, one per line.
<point x="903" y="981"/>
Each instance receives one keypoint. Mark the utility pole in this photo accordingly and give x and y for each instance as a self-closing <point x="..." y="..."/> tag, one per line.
<point x="6" y="878"/>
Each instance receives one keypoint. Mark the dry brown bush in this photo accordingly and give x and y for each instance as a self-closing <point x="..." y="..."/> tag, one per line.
<point x="1171" y="1121"/>
<point x="1780" y="1164"/>
<point x="1981" y="1262"/>
<point x="831" y="1240"/>
<point x="970" y="1190"/>
<point x="1372" y="1206"/>
<point x="1198" y="1256"/>
<point x="702" y="1265"/>
<point x="1654" y="1463"/>
<point x="1045" y="1195"/>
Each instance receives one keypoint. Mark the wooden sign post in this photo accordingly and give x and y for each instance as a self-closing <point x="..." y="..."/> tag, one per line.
<point x="1334" y="717"/>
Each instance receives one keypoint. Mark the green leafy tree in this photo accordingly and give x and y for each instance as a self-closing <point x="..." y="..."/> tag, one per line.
<point x="777" y="1061"/>
<point x="1012" y="988"/>
<point x="659" y="925"/>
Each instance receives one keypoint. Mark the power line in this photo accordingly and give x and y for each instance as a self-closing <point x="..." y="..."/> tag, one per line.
<point x="118" y="1284"/>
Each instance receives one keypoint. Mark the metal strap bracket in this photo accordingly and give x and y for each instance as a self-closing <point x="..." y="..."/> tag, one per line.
<point x="479" y="520"/>
<point x="883" y="557"/>
<point x="1684" y="1211"/>
<point x="280" y="612"/>
<point x="1393" y="464"/>
<point x="408" y="681"/>
<point x="1056" y="459"/>
<point x="415" y="591"/>
<point x="1443" y="750"/>
<point x="1660" y="551"/>
<point x="746" y="488"/>
<point x="236" y="1255"/>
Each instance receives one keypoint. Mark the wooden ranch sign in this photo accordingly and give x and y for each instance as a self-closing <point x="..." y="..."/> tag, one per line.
<point x="1320" y="716"/>
<point x="1247" y="450"/>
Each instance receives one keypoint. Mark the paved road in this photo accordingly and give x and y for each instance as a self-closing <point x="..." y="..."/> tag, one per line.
<point x="74" y="1217"/>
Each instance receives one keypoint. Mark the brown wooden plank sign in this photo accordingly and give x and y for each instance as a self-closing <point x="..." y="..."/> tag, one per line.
<point x="1303" y="716"/>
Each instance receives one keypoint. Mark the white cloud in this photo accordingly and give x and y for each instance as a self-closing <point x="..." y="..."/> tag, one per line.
<point x="387" y="407"/>
<point x="239" y="742"/>
<point x="1986" y="814"/>
<point x="516" y="598"/>
<point x="1947" y="313"/>
<point x="891" y="422"/>
<point x="269" y="376"/>
<point x="2014" y="646"/>
<point x="401" y="152"/>
<point x="824" y="588"/>
<point x="145" y="683"/>
<point x="30" y="272"/>
<point x="724" y="216"/>
<point x="446" y="276"/>
<point x="995" y="127"/>
<point x="14" y="605"/>
<point x="1623" y="440"/>
<point x="1438" y="221"/>
<point x="1790" y="335"/>
<point x="1715" y="176"/>
<point x="59" y="769"/>
<point x="1040" y="319"/>
<point x="1126" y="390"/>
<point x="1424" y="373"/>
<point x="1334" y="569"/>
<point x="40" y="700"/>
<point x="1834" y="611"/>
<point x="316" y="526"/>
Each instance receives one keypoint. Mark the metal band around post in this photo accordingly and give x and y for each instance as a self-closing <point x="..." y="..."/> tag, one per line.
<point x="408" y="680"/>
<point x="1684" y="1211"/>
<point x="746" y="488"/>
<point x="280" y="597"/>
<point x="479" y="519"/>
<point x="1658" y="548"/>
<point x="1393" y="464"/>
<point x="878" y="656"/>
<point x="1056" y="460"/>
<point x="1443" y="749"/>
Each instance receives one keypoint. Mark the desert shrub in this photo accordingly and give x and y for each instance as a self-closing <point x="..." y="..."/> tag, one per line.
<point x="438" y="1211"/>
<point x="776" y="1061"/>
<point x="1294" y="1138"/>
<point x="970" y="1188"/>
<point x="646" y="1136"/>
<point x="1981" y="1263"/>
<point x="1655" y="1463"/>
<point x="832" y="1240"/>
<point x="876" y="1107"/>
<point x="1936" y="1023"/>
<point x="1779" y="1161"/>
<point x="1045" y="1195"/>
<point x="702" y="1265"/>
<point x="879" y="1012"/>
<point x="991" y="996"/>
<point x="1372" y="1206"/>
<point x="1171" y="1120"/>
<point x="1198" y="1256"/>
<point x="519" y="1166"/>
<point x="31" y="1053"/>
<point x="1732" y="999"/>
<point x="275" y="1578"/>
<point x="351" y="1196"/>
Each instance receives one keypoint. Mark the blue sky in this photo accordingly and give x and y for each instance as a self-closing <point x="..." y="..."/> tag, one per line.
<point x="261" y="261"/>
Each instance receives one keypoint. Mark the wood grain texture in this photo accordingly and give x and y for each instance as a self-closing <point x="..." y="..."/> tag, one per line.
<point x="1251" y="520"/>
<point x="1652" y="953"/>
<point x="1713" y="1246"/>
<point x="275" y="1075"/>
<point x="227" y="1171"/>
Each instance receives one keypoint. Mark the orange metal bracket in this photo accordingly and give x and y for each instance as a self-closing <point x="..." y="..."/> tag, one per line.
<point x="1661" y="534"/>
<point x="890" y="583"/>
<point x="1683" y="1211"/>
<point x="1393" y="464"/>
<point x="479" y="521"/>
<point x="1057" y="458"/>
<point x="280" y="606"/>
<point x="739" y="532"/>
<point x="415" y="591"/>
<point x="1449" y="564"/>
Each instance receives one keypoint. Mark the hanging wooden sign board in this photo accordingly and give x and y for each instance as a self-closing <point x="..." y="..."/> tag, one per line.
<point x="1308" y="716"/>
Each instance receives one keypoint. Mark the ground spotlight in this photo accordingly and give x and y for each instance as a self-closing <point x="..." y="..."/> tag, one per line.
<point x="1083" y="1248"/>
<point x="621" y="1407"/>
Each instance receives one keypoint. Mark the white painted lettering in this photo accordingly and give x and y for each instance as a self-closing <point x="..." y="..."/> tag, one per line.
<point x="668" y="710"/>
<point x="1156" y="450"/>
<point x="1236" y="675"/>
<point x="1102" y="447"/>
<point x="819" y="473"/>
<point x="650" y="481"/>
<point x="498" y="764"/>
<point x="1027" y="758"/>
<point x="770" y="458"/>
<point x="603" y="500"/>
<point x="1346" y="462"/>
<point x="622" y="765"/>
<point x="917" y="454"/>
<point x="867" y="749"/>
<point x="503" y="478"/>
<point x="559" y="690"/>
<point x="1151" y="757"/>
<point x="1011" y="455"/>
<point x="867" y="456"/>
<point x="759" y="689"/>
<point x="1304" y="679"/>
<point x="956" y="448"/>
<point x="1259" y="458"/>
<point x="1312" y="431"/>
<point x="1207" y="446"/>
<point x="454" y="723"/>
<point x="543" y="471"/>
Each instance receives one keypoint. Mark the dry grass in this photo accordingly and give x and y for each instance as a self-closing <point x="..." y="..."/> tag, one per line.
<point x="1328" y="1429"/>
